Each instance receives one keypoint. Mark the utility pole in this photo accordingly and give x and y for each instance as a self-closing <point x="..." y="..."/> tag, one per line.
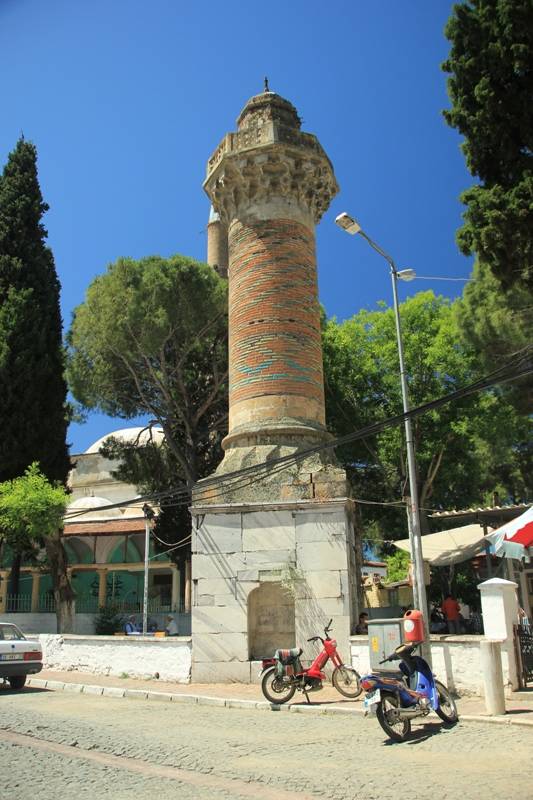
<point x="350" y="225"/>
<point x="148" y="518"/>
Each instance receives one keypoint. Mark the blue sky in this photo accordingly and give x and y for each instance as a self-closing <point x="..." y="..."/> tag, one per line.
<point x="127" y="99"/>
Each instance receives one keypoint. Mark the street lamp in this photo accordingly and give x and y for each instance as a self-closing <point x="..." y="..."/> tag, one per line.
<point x="148" y="518"/>
<point x="348" y="224"/>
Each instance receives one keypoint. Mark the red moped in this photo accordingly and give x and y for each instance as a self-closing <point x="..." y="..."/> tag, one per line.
<point x="283" y="674"/>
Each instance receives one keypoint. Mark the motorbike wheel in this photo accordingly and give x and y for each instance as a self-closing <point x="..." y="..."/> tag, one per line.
<point x="447" y="709"/>
<point x="275" y="689"/>
<point x="396" y="729"/>
<point x="347" y="681"/>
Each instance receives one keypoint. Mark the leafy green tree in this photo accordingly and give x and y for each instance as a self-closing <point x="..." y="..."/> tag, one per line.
<point x="33" y="414"/>
<point x="31" y="517"/>
<point x="464" y="450"/>
<point x="397" y="566"/>
<point x="491" y="90"/>
<point x="151" y="338"/>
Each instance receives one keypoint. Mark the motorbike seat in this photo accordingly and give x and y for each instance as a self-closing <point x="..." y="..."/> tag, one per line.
<point x="393" y="682"/>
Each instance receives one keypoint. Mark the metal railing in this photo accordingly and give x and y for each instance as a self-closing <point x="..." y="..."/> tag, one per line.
<point x="87" y="604"/>
<point x="18" y="602"/>
<point x="22" y="604"/>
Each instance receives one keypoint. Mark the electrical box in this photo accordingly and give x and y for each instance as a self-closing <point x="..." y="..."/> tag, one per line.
<point x="384" y="636"/>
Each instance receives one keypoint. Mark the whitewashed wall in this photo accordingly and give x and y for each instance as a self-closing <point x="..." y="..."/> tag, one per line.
<point x="136" y="656"/>
<point x="456" y="661"/>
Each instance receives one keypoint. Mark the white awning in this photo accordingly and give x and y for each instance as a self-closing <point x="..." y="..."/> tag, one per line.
<point x="449" y="547"/>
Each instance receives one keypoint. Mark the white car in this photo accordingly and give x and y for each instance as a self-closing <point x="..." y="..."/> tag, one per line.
<point x="19" y="656"/>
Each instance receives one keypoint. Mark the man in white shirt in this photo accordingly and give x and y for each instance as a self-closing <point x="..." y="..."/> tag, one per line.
<point x="172" y="628"/>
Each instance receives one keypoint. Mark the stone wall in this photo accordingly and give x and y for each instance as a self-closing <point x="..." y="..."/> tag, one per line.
<point x="47" y="623"/>
<point x="136" y="656"/>
<point x="456" y="661"/>
<point x="305" y="550"/>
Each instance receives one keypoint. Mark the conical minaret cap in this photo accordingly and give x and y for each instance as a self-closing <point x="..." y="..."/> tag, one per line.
<point x="268" y="107"/>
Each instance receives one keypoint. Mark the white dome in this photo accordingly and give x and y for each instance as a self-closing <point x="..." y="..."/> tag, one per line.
<point x="90" y="506"/>
<point x="134" y="510"/>
<point x="139" y="435"/>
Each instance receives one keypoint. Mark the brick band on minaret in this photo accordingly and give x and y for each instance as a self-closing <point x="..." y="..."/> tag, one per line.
<point x="275" y="346"/>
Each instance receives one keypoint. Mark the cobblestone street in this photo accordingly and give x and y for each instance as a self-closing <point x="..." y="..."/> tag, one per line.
<point x="75" y="747"/>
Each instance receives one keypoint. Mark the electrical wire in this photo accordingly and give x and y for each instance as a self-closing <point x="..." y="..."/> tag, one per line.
<point x="519" y="366"/>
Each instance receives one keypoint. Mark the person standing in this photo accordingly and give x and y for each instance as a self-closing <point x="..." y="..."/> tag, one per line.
<point x="452" y="612"/>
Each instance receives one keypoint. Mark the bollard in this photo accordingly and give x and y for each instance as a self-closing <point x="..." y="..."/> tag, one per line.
<point x="491" y="668"/>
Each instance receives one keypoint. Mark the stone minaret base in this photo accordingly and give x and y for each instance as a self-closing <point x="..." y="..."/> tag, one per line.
<point x="266" y="577"/>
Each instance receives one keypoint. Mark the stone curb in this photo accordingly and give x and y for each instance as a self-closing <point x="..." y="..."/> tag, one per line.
<point x="227" y="702"/>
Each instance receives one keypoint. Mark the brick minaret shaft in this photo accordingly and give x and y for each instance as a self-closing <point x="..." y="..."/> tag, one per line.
<point x="270" y="183"/>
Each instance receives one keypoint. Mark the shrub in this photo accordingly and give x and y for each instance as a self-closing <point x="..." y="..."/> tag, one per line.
<point x="108" y="621"/>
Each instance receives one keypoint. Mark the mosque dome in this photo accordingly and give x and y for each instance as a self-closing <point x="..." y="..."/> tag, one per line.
<point x="89" y="509"/>
<point x="136" y="435"/>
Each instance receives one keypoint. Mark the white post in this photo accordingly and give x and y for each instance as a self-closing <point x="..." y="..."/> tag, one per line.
<point x="491" y="669"/>
<point x="499" y="606"/>
<point x="187" y="587"/>
<point x="146" y="557"/>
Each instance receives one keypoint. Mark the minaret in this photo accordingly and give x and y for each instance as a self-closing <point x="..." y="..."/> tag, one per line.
<point x="217" y="244"/>
<point x="273" y="553"/>
<point x="270" y="184"/>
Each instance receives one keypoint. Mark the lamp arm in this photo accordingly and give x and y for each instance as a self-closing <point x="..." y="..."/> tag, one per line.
<point x="381" y="252"/>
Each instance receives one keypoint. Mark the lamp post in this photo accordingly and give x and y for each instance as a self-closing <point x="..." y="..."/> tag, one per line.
<point x="148" y="517"/>
<point x="348" y="224"/>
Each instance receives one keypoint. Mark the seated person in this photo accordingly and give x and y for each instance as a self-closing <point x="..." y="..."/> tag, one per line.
<point x="362" y="627"/>
<point x="172" y="627"/>
<point x="130" y="626"/>
<point x="437" y="623"/>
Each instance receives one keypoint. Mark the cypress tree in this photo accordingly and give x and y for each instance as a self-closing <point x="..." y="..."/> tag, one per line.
<point x="491" y="91"/>
<point x="33" y="390"/>
<point x="33" y="417"/>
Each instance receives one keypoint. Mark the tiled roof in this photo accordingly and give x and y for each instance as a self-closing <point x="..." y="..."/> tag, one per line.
<point x="103" y="528"/>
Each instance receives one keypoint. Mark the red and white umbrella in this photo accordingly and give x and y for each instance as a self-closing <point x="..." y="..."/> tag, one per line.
<point x="515" y="538"/>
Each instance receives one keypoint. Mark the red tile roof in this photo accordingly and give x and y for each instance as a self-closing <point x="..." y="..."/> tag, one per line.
<point x="105" y="528"/>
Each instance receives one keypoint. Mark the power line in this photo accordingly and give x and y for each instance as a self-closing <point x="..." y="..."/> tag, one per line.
<point x="518" y="366"/>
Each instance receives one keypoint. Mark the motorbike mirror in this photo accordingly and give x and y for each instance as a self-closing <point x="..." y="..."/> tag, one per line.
<point x="328" y="626"/>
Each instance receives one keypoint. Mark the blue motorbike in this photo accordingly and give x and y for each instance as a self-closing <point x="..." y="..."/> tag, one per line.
<point x="396" y="701"/>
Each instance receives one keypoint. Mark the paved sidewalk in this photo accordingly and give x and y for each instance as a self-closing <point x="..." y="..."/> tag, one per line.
<point x="519" y="706"/>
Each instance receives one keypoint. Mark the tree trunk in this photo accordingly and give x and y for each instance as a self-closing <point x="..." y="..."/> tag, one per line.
<point x="63" y="593"/>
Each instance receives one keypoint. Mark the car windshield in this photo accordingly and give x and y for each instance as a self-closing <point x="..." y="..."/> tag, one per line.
<point x="10" y="632"/>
